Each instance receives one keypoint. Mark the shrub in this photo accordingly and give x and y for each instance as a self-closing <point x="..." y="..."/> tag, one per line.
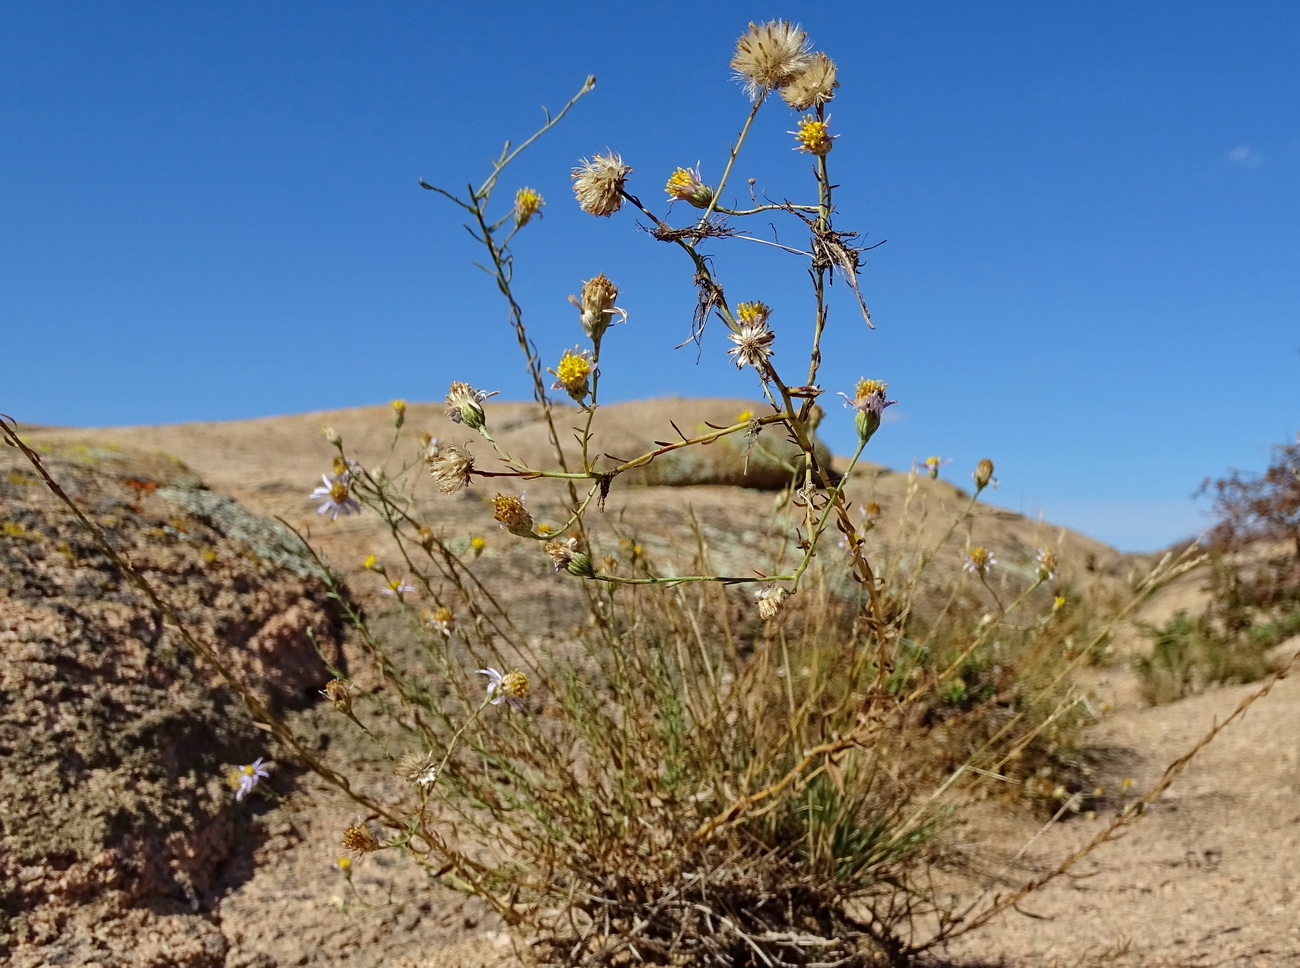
<point x="712" y="767"/>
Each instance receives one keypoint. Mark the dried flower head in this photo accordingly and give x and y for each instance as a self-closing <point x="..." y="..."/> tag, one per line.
<point x="465" y="405"/>
<point x="814" y="136"/>
<point x="418" y="768"/>
<point x="573" y="373"/>
<point x="1047" y="563"/>
<point x="869" y="401"/>
<point x="527" y="204"/>
<point x="753" y="342"/>
<point x="511" y="688"/>
<point x="511" y="514"/>
<point x="335" y="495"/>
<point x="771" y="600"/>
<point x="596" y="306"/>
<point x="598" y="184"/>
<point x="564" y="554"/>
<point x="358" y="838"/>
<point x="983" y="474"/>
<point x="979" y="560"/>
<point x="814" y="87"/>
<point x="685" y="185"/>
<point x="451" y="468"/>
<point x="332" y="436"/>
<point x="770" y="55"/>
<point x="337" y="692"/>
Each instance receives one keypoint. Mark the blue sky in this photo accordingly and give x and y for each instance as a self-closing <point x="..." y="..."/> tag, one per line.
<point x="1091" y="216"/>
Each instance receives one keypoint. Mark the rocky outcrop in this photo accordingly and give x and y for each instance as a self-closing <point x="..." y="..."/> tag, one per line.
<point x="118" y="818"/>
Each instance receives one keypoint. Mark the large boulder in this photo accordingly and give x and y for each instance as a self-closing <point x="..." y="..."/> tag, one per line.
<point x="118" y="818"/>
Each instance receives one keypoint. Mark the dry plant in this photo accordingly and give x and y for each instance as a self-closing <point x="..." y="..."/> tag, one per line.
<point x="718" y="768"/>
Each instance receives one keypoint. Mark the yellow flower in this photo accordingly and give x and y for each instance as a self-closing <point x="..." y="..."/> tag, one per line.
<point x="572" y="374"/>
<point x="598" y="184"/>
<point x="814" y="136"/>
<point x="527" y="204"/>
<point x="477" y="544"/>
<point x="684" y="185"/>
<point x="399" y="412"/>
<point x="359" y="838"/>
<point x="369" y="563"/>
<point x="511" y="514"/>
<point x="744" y="416"/>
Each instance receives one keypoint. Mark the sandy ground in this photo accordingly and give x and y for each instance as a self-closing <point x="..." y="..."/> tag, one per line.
<point x="1210" y="877"/>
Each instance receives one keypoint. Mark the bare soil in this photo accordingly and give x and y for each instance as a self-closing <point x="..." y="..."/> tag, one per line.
<point x="1210" y="877"/>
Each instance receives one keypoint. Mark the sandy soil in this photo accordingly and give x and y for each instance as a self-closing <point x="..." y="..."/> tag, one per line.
<point x="1211" y="877"/>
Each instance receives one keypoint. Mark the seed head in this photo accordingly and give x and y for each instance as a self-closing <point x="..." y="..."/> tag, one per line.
<point x="814" y="87"/>
<point x="598" y="184"/>
<point x="983" y="474"/>
<point x="451" y="468"/>
<point x="771" y="600"/>
<point x="418" y="768"/>
<point x="770" y="55"/>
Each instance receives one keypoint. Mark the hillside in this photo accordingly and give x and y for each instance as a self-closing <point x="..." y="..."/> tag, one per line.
<point x="1207" y="878"/>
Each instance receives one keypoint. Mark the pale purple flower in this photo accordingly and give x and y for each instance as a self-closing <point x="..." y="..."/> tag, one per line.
<point x="398" y="587"/>
<point x="979" y="560"/>
<point x="511" y="687"/>
<point x="249" y="776"/>
<point x="335" y="496"/>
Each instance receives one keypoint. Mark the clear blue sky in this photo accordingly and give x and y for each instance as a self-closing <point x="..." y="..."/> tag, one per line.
<point x="1092" y="215"/>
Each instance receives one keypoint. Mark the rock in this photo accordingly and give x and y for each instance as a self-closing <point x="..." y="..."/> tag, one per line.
<point x="117" y="741"/>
